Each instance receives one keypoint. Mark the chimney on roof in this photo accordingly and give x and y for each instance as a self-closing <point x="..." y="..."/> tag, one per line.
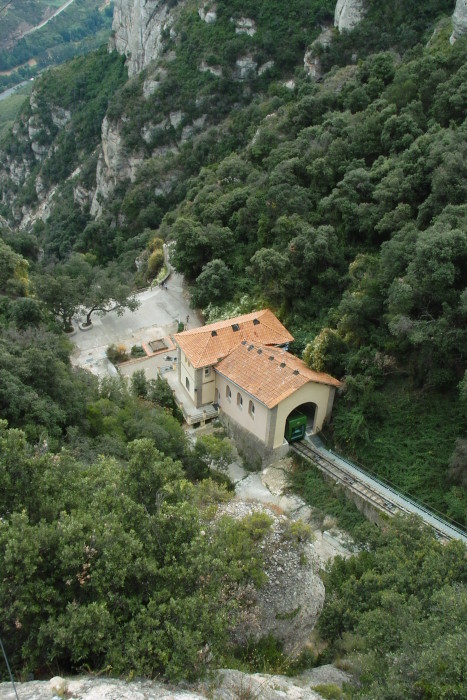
<point x="260" y="352"/>
<point x="251" y="347"/>
<point x="282" y="364"/>
<point x="235" y="327"/>
<point x="271" y="357"/>
<point x="243" y="342"/>
<point x="296" y="371"/>
<point x="255" y="322"/>
<point x="213" y="334"/>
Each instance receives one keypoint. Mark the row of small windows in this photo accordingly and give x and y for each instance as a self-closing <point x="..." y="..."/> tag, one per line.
<point x="251" y="405"/>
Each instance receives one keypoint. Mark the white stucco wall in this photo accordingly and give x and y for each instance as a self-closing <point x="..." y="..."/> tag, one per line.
<point x="187" y="370"/>
<point x="320" y="394"/>
<point x="256" y="423"/>
<point x="208" y="388"/>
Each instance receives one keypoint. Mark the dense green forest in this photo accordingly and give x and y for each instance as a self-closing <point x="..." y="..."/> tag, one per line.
<point x="341" y="205"/>
<point x="346" y="213"/>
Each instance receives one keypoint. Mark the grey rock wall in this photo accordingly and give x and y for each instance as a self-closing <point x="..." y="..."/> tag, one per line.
<point x="348" y="14"/>
<point x="459" y="20"/>
<point x="138" y="28"/>
<point x="223" y="685"/>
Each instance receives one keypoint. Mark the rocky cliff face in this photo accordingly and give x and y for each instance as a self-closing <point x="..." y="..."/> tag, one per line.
<point x="348" y="14"/>
<point x="459" y="20"/>
<point x="138" y="29"/>
<point x="34" y="135"/>
<point x="114" y="164"/>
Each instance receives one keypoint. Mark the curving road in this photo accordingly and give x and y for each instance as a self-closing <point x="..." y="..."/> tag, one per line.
<point x="42" y="24"/>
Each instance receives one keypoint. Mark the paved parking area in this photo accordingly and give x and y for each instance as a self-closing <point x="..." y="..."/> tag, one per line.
<point x="157" y="317"/>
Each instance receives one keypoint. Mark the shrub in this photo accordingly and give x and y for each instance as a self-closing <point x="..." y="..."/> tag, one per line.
<point x="117" y="354"/>
<point x="155" y="262"/>
<point x="297" y="531"/>
<point x="155" y="244"/>
<point x="137" y="351"/>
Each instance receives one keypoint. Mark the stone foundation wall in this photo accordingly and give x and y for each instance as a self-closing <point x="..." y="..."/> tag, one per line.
<point x="254" y="451"/>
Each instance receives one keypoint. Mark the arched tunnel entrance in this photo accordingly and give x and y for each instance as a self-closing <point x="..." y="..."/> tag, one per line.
<point x="300" y="422"/>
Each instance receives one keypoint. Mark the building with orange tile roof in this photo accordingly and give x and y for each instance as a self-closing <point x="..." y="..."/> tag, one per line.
<point x="243" y="366"/>
<point x="207" y="345"/>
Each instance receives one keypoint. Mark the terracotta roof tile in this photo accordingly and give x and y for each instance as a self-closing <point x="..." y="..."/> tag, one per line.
<point x="269" y="374"/>
<point x="207" y="345"/>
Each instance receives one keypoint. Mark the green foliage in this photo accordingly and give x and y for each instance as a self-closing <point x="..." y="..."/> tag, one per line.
<point x="341" y="203"/>
<point x="155" y="262"/>
<point x="9" y="110"/>
<point x="158" y="391"/>
<point x="210" y="452"/>
<point x="137" y="351"/>
<point x="398" y="609"/>
<point x="14" y="279"/>
<point x="427" y="425"/>
<point x="353" y="224"/>
<point x="389" y="25"/>
<point x="297" y="531"/>
<point x="329" y="691"/>
<point x="109" y="563"/>
<point x="38" y="390"/>
<point x="213" y="285"/>
<point x="117" y="353"/>
<point x="264" y="655"/>
<point x="80" y="284"/>
<point x="83" y="86"/>
<point x="325" y="498"/>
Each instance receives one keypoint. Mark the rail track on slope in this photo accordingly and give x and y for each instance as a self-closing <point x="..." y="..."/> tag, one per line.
<point x="374" y="491"/>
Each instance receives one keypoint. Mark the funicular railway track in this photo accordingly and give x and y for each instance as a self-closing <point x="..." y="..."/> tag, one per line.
<point x="374" y="492"/>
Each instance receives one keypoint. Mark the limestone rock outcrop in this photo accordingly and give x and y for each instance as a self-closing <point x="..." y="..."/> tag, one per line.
<point x="288" y="604"/>
<point x="114" y="164"/>
<point x="222" y="685"/>
<point x="138" y="29"/>
<point x="311" y="60"/>
<point x="245" y="67"/>
<point x="208" y="13"/>
<point x="35" y="132"/>
<point x="459" y="21"/>
<point x="348" y="14"/>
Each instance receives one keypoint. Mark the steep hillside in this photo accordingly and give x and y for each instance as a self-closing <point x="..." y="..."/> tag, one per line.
<point x="289" y="164"/>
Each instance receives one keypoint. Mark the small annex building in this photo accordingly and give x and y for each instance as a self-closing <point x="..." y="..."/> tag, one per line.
<point x="242" y="365"/>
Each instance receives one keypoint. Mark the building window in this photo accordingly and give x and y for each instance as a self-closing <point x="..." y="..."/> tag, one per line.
<point x="207" y="371"/>
<point x="239" y="400"/>
<point x="228" y="393"/>
<point x="187" y="383"/>
<point x="251" y="409"/>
